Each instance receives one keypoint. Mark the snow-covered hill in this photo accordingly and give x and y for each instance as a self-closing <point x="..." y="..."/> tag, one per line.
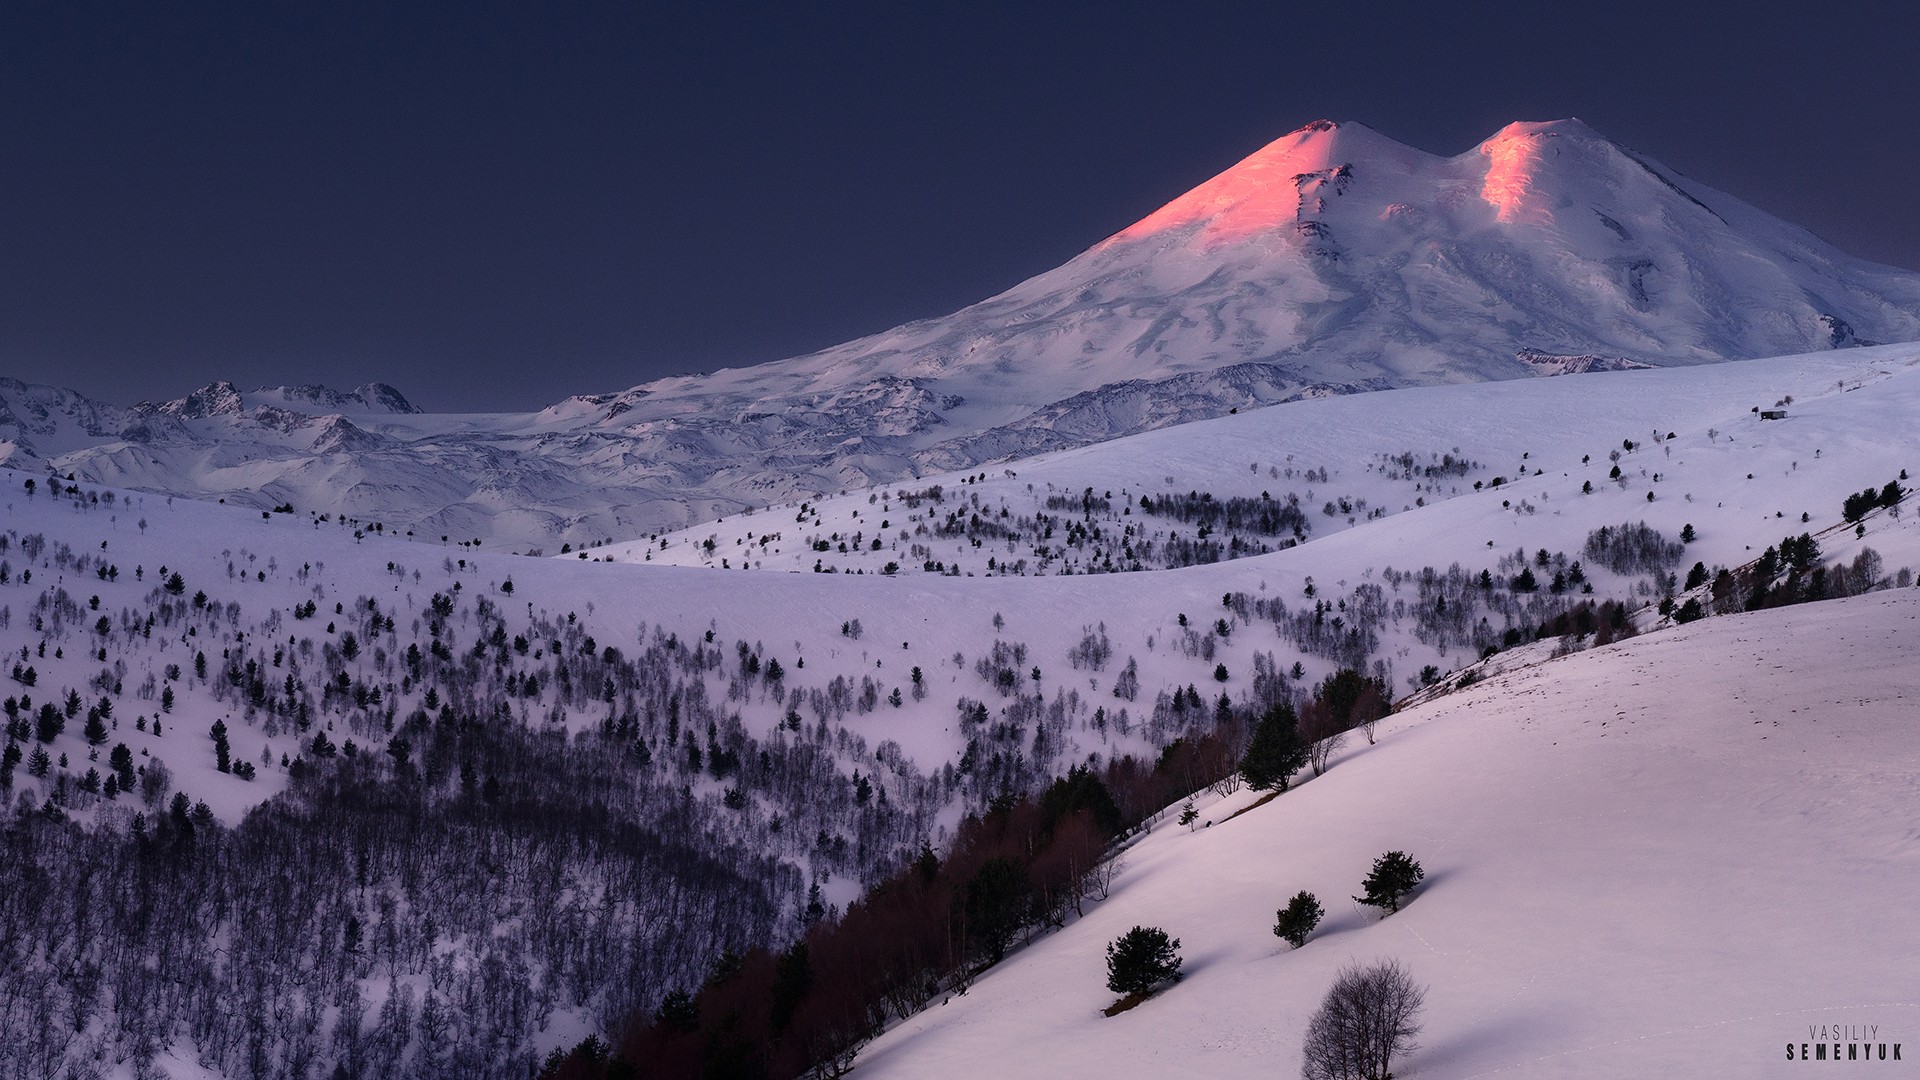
<point x="1682" y="855"/>
<point x="939" y="690"/>
<point x="1331" y="261"/>
<point x="1519" y="455"/>
<point x="1709" y="462"/>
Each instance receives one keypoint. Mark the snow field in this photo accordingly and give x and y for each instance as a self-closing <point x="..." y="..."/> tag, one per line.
<point x="1845" y="427"/>
<point x="1836" y="441"/>
<point x="1665" y="857"/>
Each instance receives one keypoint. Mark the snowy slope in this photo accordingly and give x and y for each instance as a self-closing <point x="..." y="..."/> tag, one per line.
<point x="1676" y="856"/>
<point x="1331" y="261"/>
<point x="1844" y="431"/>
<point x="1742" y="482"/>
<point x="1835" y="442"/>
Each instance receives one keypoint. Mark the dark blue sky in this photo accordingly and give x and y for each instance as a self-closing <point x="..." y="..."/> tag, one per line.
<point x="496" y="205"/>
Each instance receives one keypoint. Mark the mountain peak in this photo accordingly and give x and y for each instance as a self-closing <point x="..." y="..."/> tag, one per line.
<point x="1328" y="132"/>
<point x="1265" y="189"/>
<point x="1570" y="127"/>
<point x="1534" y="168"/>
<point x="217" y="398"/>
<point x="380" y="397"/>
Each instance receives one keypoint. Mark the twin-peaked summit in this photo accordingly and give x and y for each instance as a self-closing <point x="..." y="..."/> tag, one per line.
<point x="1332" y="260"/>
<point x="1354" y="258"/>
<point x="1513" y="177"/>
<point x="1337" y="259"/>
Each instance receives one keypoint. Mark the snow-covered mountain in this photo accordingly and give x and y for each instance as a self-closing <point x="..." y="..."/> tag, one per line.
<point x="45" y="423"/>
<point x="1331" y="261"/>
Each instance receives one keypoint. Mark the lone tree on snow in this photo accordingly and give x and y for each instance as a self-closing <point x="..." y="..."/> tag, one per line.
<point x="1295" y="921"/>
<point x="1393" y="876"/>
<point x="1141" y="959"/>
<point x="1369" y="1016"/>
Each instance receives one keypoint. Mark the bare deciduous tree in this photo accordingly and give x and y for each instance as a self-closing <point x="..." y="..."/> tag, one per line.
<point x="1105" y="873"/>
<point x="1369" y="1017"/>
<point x="1319" y="753"/>
<point x="1323" y="734"/>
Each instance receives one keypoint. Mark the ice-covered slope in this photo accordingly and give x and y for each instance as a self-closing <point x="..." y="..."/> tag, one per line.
<point x="1677" y="856"/>
<point x="1331" y="261"/>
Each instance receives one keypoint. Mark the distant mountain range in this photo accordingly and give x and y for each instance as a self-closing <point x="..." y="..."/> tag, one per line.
<point x="1334" y="260"/>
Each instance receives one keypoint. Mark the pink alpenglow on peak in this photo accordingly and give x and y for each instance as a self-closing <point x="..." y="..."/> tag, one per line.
<point x="1275" y="186"/>
<point x="1516" y="158"/>
<point x="1296" y="180"/>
